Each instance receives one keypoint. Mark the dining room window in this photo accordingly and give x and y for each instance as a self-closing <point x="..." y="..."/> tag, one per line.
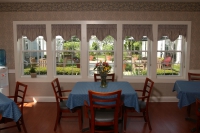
<point x="33" y="48"/>
<point x="136" y="49"/>
<point x="70" y="50"/>
<point x="170" y="50"/>
<point x="67" y="49"/>
<point x="101" y="45"/>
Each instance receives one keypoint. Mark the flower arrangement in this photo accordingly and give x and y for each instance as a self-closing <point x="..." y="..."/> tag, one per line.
<point x="102" y="67"/>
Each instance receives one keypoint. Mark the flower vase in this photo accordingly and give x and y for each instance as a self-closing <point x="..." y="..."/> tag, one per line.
<point x="103" y="80"/>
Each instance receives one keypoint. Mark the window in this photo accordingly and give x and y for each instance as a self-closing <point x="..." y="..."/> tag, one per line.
<point x="67" y="49"/>
<point x="32" y="43"/>
<point x="169" y="56"/>
<point x="67" y="56"/>
<point x="101" y="51"/>
<point x="101" y="39"/>
<point x="34" y="55"/>
<point x="70" y="49"/>
<point x="136" y="49"/>
<point x="135" y="55"/>
<point x="170" y="50"/>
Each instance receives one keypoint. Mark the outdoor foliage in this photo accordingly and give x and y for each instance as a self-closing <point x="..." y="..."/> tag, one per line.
<point x="67" y="71"/>
<point x="59" y="70"/>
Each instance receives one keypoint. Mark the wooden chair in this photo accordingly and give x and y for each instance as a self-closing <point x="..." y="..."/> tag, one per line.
<point x="33" y="62"/>
<point x="20" y="92"/>
<point x="104" y="111"/>
<point x="167" y="62"/>
<point x="143" y="104"/>
<point x="61" y="105"/>
<point x="110" y="77"/>
<point x="140" y="65"/>
<point x="197" y="110"/>
<point x="192" y="77"/>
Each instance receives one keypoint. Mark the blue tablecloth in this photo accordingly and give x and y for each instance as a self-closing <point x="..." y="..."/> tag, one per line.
<point x="80" y="93"/>
<point x="8" y="108"/>
<point x="187" y="92"/>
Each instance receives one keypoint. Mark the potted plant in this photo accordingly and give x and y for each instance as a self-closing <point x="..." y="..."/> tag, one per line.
<point x="135" y="56"/>
<point x="91" y="56"/>
<point x="109" y="48"/>
<point x="32" y="72"/>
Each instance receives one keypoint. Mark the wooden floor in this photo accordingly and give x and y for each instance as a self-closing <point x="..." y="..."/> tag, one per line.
<point x="165" y="118"/>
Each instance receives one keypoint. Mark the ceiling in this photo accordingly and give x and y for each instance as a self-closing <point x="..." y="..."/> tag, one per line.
<point x="99" y="0"/>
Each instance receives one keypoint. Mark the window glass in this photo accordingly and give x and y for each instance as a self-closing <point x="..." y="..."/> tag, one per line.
<point x="67" y="56"/>
<point x="169" y="56"/>
<point x="34" y="55"/>
<point x="101" y="51"/>
<point x="135" y="55"/>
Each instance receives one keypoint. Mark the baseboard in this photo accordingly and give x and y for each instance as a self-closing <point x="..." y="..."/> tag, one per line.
<point x="40" y="99"/>
<point x="52" y="99"/>
<point x="163" y="99"/>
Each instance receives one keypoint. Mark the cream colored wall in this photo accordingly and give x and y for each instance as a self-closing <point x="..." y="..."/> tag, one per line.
<point x="44" y="89"/>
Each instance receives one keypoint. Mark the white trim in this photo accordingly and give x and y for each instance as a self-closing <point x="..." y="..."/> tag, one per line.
<point x="40" y="98"/>
<point x="164" y="99"/>
<point x="84" y="72"/>
<point x="52" y="99"/>
<point x="125" y="79"/>
<point x="11" y="70"/>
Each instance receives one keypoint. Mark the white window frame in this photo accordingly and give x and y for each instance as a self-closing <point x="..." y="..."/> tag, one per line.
<point x="84" y="52"/>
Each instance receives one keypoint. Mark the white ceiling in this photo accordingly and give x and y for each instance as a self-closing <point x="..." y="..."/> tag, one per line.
<point x="99" y="0"/>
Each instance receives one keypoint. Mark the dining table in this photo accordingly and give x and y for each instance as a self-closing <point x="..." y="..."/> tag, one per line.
<point x="8" y="108"/>
<point x="79" y="93"/>
<point x="187" y="92"/>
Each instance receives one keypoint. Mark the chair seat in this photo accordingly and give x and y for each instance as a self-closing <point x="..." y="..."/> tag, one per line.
<point x="103" y="115"/>
<point x="63" y="104"/>
<point x="142" y="104"/>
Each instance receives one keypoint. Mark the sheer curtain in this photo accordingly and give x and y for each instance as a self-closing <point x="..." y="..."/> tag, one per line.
<point x="137" y="31"/>
<point x="31" y="31"/>
<point x="101" y="31"/>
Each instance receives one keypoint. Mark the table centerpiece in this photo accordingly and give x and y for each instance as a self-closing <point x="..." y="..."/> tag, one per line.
<point x="103" y="68"/>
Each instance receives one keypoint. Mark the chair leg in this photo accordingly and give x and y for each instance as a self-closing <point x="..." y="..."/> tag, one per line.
<point x="144" y="116"/>
<point x="188" y="110"/>
<point x="57" y="120"/>
<point x="60" y="115"/>
<point x="148" y="120"/>
<point x="23" y="125"/>
<point x="18" y="125"/>
<point x="125" y="119"/>
<point x="80" y="119"/>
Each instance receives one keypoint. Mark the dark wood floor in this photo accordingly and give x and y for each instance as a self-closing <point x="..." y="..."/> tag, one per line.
<point x="165" y="118"/>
